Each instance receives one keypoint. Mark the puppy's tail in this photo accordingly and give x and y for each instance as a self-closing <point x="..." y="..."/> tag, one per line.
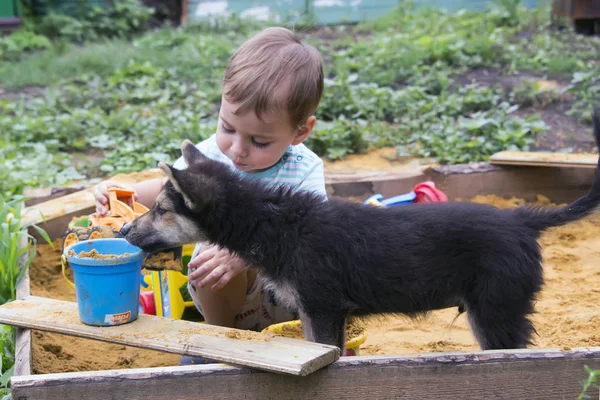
<point x="541" y="220"/>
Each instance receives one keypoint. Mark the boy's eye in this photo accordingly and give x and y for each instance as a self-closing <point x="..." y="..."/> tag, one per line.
<point x="227" y="129"/>
<point x="260" y="145"/>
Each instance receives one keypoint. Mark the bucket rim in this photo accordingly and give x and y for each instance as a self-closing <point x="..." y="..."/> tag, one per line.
<point x="134" y="256"/>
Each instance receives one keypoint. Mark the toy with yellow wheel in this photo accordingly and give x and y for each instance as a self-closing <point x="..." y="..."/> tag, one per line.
<point x="167" y="274"/>
<point x="122" y="208"/>
<point x="165" y="291"/>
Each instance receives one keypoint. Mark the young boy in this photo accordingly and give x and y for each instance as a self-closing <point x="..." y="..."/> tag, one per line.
<point x="271" y="88"/>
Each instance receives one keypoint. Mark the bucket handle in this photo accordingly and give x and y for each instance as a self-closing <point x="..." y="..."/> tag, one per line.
<point x="64" y="263"/>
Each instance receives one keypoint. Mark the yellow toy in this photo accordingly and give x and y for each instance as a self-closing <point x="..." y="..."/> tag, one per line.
<point x="165" y="293"/>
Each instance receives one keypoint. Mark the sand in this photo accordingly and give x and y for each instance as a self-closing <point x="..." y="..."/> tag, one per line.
<point x="95" y="255"/>
<point x="163" y="261"/>
<point x="52" y="352"/>
<point x="567" y="311"/>
<point x="354" y="329"/>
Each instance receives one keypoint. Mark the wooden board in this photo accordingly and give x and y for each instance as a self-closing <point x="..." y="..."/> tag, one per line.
<point x="22" y="364"/>
<point x="58" y="212"/>
<point x="80" y="202"/>
<point x="23" y="340"/>
<point x="541" y="159"/>
<point x="518" y="374"/>
<point x="252" y="349"/>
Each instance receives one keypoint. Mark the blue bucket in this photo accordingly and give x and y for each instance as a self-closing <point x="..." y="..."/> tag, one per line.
<point x="107" y="290"/>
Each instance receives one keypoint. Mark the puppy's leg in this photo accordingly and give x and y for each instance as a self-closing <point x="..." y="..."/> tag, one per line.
<point x="324" y="328"/>
<point x="307" y="328"/>
<point x="498" y="317"/>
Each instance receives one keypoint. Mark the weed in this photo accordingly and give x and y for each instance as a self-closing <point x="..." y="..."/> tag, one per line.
<point x="17" y="249"/>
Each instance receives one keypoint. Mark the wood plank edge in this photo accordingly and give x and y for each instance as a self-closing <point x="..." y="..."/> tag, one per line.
<point x="22" y="364"/>
<point x="343" y="363"/>
<point x="544" y="164"/>
<point x="328" y="354"/>
<point x="291" y="369"/>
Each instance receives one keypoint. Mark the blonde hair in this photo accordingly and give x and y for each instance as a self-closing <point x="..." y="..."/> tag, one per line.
<point x="274" y="71"/>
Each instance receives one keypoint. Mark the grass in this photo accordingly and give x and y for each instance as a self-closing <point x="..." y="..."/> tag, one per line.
<point x="110" y="106"/>
<point x="589" y="382"/>
<point x="102" y="59"/>
<point x="395" y="81"/>
<point x="17" y="249"/>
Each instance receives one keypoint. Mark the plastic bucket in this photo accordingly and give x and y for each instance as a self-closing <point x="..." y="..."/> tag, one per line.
<point x="107" y="289"/>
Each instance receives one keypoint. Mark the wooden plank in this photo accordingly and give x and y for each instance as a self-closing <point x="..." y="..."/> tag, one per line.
<point x="78" y="202"/>
<point x="23" y="341"/>
<point x="22" y="364"/>
<point x="64" y="208"/>
<point x="184" y="12"/>
<point x="518" y="374"/>
<point x="543" y="159"/>
<point x="252" y="349"/>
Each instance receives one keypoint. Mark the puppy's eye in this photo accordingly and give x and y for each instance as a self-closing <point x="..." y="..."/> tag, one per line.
<point x="160" y="210"/>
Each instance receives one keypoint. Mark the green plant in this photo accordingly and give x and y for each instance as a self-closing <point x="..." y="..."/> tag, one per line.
<point x="121" y="105"/>
<point x="124" y="19"/>
<point x="585" y="86"/>
<point x="506" y="12"/>
<point x="7" y="356"/>
<point x="537" y="93"/>
<point x="13" y="46"/>
<point x="17" y="249"/>
<point x="590" y="382"/>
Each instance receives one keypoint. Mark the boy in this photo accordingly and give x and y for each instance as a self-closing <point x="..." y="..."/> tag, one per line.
<point x="271" y="88"/>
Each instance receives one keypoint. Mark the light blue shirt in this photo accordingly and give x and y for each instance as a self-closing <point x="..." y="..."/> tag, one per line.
<point x="299" y="167"/>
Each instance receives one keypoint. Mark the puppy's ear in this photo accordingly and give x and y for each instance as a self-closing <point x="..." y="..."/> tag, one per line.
<point x="191" y="154"/>
<point x="178" y="179"/>
<point x="198" y="190"/>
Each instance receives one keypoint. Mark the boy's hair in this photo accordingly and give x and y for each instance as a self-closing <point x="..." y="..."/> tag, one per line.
<point x="274" y="71"/>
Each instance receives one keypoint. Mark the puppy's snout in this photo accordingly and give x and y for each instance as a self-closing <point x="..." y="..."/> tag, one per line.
<point x="125" y="228"/>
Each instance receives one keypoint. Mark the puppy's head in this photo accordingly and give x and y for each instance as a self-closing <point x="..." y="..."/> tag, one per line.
<point x="174" y="219"/>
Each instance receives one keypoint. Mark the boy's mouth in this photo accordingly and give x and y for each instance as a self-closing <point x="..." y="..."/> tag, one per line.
<point x="239" y="165"/>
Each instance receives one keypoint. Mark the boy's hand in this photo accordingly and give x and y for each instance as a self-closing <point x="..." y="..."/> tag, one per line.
<point x="215" y="266"/>
<point x="101" y="195"/>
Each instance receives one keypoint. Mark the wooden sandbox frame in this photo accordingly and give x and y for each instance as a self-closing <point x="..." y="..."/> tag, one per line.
<point x="516" y="374"/>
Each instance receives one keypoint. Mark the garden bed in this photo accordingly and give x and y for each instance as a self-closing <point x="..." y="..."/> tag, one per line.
<point x="396" y="349"/>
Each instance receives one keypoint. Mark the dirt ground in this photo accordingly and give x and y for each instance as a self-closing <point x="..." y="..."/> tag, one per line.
<point x="565" y="133"/>
<point x="568" y="314"/>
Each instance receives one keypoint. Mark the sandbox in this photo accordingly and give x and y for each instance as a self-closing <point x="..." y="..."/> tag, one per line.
<point x="401" y="358"/>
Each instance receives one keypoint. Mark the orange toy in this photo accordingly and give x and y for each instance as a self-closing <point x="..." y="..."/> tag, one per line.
<point x="122" y="209"/>
<point x="119" y="210"/>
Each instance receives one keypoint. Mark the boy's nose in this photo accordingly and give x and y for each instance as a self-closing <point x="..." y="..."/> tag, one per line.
<point x="125" y="228"/>
<point x="238" y="149"/>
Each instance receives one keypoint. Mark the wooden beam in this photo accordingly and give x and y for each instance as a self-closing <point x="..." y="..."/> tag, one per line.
<point x="184" y="12"/>
<point x="517" y="374"/>
<point x="77" y="203"/>
<point x="258" y="350"/>
<point x="64" y="208"/>
<point x="23" y="340"/>
<point x="543" y="159"/>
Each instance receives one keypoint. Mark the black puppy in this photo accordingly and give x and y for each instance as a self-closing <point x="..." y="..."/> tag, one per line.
<point x="332" y="259"/>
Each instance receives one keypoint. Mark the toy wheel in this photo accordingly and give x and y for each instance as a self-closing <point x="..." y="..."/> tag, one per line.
<point x="74" y="235"/>
<point x="102" y="232"/>
<point x="80" y="233"/>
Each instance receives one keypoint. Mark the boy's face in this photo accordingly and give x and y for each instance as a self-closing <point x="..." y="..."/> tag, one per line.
<point x="255" y="145"/>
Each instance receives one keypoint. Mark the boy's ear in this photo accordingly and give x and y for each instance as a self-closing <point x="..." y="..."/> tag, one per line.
<point x="191" y="154"/>
<point x="305" y="130"/>
<point x="178" y="178"/>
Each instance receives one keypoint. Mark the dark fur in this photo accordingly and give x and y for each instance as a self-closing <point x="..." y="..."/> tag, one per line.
<point x="338" y="258"/>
